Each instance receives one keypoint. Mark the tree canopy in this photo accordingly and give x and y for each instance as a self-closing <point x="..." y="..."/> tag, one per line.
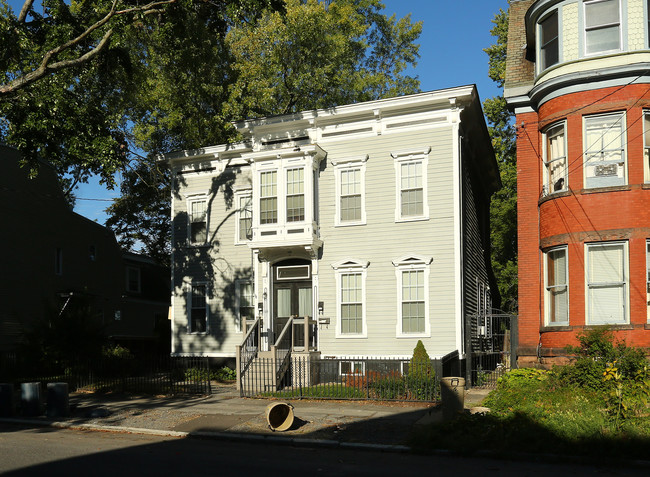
<point x="503" y="208"/>
<point x="215" y="67"/>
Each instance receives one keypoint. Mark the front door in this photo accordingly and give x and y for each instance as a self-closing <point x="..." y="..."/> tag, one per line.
<point x="292" y="297"/>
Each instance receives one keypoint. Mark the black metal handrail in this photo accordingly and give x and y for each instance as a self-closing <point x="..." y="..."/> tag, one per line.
<point x="282" y="350"/>
<point x="249" y="348"/>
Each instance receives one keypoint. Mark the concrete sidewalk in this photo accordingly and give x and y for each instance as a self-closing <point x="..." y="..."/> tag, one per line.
<point x="386" y="426"/>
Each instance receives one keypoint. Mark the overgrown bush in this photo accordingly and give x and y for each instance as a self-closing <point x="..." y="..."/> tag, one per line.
<point x="596" y="352"/>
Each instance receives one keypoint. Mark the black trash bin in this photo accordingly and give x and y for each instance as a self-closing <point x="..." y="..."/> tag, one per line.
<point x="58" y="401"/>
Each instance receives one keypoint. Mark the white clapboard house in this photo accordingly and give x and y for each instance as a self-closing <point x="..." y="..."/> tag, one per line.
<point x="353" y="231"/>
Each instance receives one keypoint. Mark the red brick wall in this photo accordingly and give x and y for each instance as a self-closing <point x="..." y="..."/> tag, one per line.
<point x="528" y="180"/>
<point x="580" y="216"/>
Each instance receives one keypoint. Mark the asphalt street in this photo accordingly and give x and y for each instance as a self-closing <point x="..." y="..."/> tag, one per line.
<point x="39" y="451"/>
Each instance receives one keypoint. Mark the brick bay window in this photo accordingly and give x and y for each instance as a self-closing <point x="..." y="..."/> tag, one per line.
<point x="198" y="308"/>
<point x="604" y="146"/>
<point x="412" y="273"/>
<point x="556" y="295"/>
<point x="555" y="165"/>
<point x="549" y="53"/>
<point x="607" y="283"/>
<point x="602" y="24"/>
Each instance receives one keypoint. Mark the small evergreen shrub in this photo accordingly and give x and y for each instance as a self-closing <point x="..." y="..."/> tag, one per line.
<point x="420" y="381"/>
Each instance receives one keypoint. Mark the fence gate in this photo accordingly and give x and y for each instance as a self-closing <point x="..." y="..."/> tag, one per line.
<point x="491" y="347"/>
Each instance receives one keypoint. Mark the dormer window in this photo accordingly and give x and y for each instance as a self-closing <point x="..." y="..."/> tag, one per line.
<point x="602" y="22"/>
<point x="549" y="44"/>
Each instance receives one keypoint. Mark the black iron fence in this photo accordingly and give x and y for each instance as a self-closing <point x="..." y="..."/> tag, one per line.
<point x="142" y="375"/>
<point x="389" y="379"/>
<point x="493" y="350"/>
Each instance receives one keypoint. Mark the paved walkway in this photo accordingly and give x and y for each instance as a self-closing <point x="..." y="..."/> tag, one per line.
<point x="224" y="414"/>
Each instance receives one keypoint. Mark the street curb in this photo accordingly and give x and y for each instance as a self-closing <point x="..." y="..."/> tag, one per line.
<point x="237" y="436"/>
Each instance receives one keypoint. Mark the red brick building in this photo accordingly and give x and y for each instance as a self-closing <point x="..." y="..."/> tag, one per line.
<point x="578" y="80"/>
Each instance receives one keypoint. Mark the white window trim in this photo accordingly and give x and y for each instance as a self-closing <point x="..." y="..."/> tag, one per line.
<point x="626" y="281"/>
<point x="238" y="196"/>
<point x="344" y="267"/>
<point x="623" y="123"/>
<point x="547" y="301"/>
<point x="352" y="362"/>
<point x="189" y="200"/>
<point x="139" y="287"/>
<point x="621" y="24"/>
<point x="558" y="11"/>
<point x="646" y="148"/>
<point x="238" y="317"/>
<point x="545" y="163"/>
<point x="407" y="263"/>
<point x="647" y="274"/>
<point x="189" y="307"/>
<point x="400" y="157"/>
<point x="341" y="165"/>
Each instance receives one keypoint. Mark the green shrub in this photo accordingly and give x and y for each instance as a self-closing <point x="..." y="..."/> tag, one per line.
<point x="391" y="386"/>
<point x="597" y="352"/>
<point x="224" y="374"/>
<point x="202" y="374"/>
<point x="420" y="381"/>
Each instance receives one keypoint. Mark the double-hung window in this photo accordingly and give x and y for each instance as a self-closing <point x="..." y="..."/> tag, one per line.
<point x="350" y="188"/>
<point x="607" y="283"/>
<point x="295" y="195"/>
<point x="58" y="261"/>
<point x="647" y="274"/>
<point x="198" y="302"/>
<point x="646" y="145"/>
<point x="412" y="273"/>
<point x="133" y="279"/>
<point x="198" y="221"/>
<point x="245" y="302"/>
<point x="548" y="41"/>
<point x="556" y="287"/>
<point x="411" y="172"/>
<point x="602" y="23"/>
<point x="269" y="197"/>
<point x="555" y="160"/>
<point x="351" y="292"/>
<point x="604" y="157"/>
<point x="244" y="217"/>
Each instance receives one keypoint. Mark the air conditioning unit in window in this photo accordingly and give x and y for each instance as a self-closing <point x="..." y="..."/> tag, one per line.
<point x="606" y="170"/>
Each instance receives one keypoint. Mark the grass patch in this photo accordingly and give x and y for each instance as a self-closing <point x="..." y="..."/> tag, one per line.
<point x="596" y="407"/>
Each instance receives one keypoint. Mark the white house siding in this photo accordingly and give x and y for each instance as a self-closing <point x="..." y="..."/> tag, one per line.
<point x="382" y="240"/>
<point x="636" y="25"/>
<point x="219" y="264"/>
<point x="570" y="44"/>
<point x="421" y="124"/>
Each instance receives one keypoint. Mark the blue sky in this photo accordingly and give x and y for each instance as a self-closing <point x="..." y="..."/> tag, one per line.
<point x="454" y="34"/>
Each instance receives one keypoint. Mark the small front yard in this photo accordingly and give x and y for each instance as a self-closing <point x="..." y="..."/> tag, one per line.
<point x="596" y="407"/>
